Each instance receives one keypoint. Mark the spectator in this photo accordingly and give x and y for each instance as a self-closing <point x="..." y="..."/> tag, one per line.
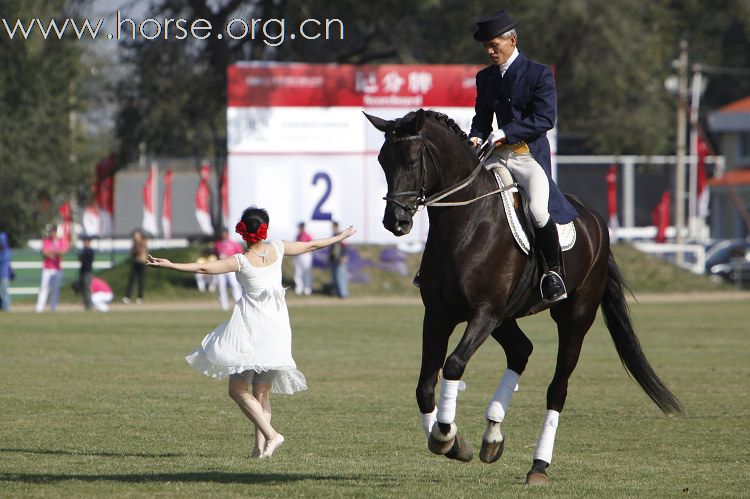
<point x="101" y="294"/>
<point x="53" y="248"/>
<point x="225" y="248"/>
<point x="338" y="260"/>
<point x="5" y="271"/>
<point x="86" y="257"/>
<point x="303" y="265"/>
<point x="138" y="256"/>
<point x="205" y="281"/>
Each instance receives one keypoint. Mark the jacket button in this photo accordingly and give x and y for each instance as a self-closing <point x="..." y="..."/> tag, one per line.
<point x="508" y="99"/>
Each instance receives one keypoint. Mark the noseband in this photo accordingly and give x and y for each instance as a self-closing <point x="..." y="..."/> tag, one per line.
<point x="420" y="195"/>
<point x="435" y="199"/>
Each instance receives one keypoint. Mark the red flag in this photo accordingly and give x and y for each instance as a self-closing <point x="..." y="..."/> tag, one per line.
<point x="166" y="211"/>
<point x="149" y="203"/>
<point x="701" y="190"/>
<point x="660" y="218"/>
<point x="104" y="192"/>
<point x="224" y="198"/>
<point x="202" y="200"/>
<point x="612" y="196"/>
<point x="64" y="212"/>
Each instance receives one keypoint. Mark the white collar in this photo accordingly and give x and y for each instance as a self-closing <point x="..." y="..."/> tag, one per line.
<point x="504" y="67"/>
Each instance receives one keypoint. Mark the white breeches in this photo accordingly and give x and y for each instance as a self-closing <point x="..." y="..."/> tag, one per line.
<point x="50" y="286"/>
<point x="530" y="175"/>
<point x="303" y="273"/>
<point x="100" y="300"/>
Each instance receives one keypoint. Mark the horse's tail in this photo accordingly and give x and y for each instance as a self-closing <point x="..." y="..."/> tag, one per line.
<point x="617" y="319"/>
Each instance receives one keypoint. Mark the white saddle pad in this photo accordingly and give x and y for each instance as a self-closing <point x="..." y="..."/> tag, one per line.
<point x="567" y="232"/>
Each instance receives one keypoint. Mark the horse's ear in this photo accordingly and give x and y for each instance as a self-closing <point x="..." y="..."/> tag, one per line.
<point x="417" y="122"/>
<point x="378" y="123"/>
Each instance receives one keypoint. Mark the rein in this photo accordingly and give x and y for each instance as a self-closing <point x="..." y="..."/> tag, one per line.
<point x="434" y="200"/>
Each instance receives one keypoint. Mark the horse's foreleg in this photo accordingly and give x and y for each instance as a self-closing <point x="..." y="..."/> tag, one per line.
<point x="572" y="325"/>
<point x="435" y="333"/>
<point x="444" y="432"/>
<point x="517" y="349"/>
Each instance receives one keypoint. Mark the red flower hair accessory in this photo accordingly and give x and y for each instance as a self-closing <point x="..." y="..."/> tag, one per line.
<point x="251" y="237"/>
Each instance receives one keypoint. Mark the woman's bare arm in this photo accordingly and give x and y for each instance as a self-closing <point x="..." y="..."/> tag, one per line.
<point x="228" y="264"/>
<point x="293" y="248"/>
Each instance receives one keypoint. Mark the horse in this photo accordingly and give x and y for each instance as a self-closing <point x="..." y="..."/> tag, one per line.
<point x="470" y="272"/>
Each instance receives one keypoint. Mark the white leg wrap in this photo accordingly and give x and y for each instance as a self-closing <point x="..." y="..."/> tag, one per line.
<point x="428" y="420"/>
<point x="446" y="411"/>
<point x="501" y="399"/>
<point x="546" y="441"/>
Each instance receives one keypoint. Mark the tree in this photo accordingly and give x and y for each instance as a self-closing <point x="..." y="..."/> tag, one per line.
<point x="42" y="144"/>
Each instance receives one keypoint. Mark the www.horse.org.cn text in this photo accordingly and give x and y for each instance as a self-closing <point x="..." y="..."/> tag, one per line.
<point x="273" y="32"/>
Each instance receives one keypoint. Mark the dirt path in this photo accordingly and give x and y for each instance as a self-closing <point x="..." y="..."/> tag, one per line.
<point x="311" y="301"/>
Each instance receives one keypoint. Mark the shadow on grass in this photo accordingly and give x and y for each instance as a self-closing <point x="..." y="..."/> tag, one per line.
<point x="188" y="477"/>
<point x="87" y="453"/>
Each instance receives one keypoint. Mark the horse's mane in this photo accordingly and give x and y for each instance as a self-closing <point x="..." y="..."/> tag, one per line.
<point x="440" y="118"/>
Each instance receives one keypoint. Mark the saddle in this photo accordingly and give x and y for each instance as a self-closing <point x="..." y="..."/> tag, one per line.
<point x="516" y="208"/>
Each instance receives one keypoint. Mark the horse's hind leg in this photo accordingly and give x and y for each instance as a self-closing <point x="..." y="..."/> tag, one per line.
<point x="517" y="348"/>
<point x="574" y="318"/>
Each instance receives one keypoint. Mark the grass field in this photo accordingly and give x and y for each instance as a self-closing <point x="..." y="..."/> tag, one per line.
<point x="98" y="405"/>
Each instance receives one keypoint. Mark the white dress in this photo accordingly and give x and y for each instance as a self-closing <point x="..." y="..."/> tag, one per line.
<point x="257" y="338"/>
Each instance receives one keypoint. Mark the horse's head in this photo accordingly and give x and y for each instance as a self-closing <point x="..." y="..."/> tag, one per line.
<point x="404" y="158"/>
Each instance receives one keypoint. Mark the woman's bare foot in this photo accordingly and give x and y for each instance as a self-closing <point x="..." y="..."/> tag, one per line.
<point x="271" y="445"/>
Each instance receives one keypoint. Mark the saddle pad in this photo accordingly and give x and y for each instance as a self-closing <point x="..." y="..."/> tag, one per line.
<point x="566" y="233"/>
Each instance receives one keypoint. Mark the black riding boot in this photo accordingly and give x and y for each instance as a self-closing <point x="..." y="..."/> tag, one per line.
<point x="547" y="242"/>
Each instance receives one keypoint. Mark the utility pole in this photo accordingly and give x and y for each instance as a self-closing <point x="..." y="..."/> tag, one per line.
<point x="681" y="65"/>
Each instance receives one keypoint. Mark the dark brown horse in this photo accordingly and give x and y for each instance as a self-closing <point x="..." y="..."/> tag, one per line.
<point x="469" y="271"/>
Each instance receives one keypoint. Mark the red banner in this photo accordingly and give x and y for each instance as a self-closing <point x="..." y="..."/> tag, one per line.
<point x="202" y="202"/>
<point x="149" y="207"/>
<point x="660" y="218"/>
<point x="104" y="193"/>
<point x="166" y="211"/>
<point x="387" y="85"/>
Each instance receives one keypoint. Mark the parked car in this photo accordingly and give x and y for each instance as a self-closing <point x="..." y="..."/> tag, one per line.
<point x="729" y="260"/>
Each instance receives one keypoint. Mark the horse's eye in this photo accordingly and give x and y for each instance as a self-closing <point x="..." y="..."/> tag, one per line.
<point x="411" y="163"/>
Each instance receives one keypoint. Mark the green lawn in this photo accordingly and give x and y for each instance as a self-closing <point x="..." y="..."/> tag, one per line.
<point x="98" y="405"/>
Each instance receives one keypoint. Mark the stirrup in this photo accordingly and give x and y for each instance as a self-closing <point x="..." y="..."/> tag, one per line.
<point x="560" y="294"/>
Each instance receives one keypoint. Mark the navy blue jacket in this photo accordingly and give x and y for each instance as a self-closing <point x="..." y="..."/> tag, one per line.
<point x="525" y="105"/>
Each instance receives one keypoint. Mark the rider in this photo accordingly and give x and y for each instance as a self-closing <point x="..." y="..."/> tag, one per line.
<point x="521" y="94"/>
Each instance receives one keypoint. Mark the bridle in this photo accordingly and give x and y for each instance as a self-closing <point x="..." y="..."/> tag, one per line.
<point x="392" y="197"/>
<point x="420" y="195"/>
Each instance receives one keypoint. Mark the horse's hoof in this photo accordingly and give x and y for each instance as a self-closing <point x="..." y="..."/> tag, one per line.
<point x="438" y="447"/>
<point x="460" y="450"/>
<point x="491" y="451"/>
<point x="535" y="477"/>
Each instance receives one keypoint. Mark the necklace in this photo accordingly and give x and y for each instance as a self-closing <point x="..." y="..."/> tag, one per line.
<point x="263" y="255"/>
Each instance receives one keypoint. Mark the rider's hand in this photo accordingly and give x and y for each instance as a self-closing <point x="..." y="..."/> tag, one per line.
<point x="496" y="137"/>
<point x="475" y="141"/>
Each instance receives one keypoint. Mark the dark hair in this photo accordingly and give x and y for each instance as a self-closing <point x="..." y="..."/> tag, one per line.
<point x="252" y="218"/>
